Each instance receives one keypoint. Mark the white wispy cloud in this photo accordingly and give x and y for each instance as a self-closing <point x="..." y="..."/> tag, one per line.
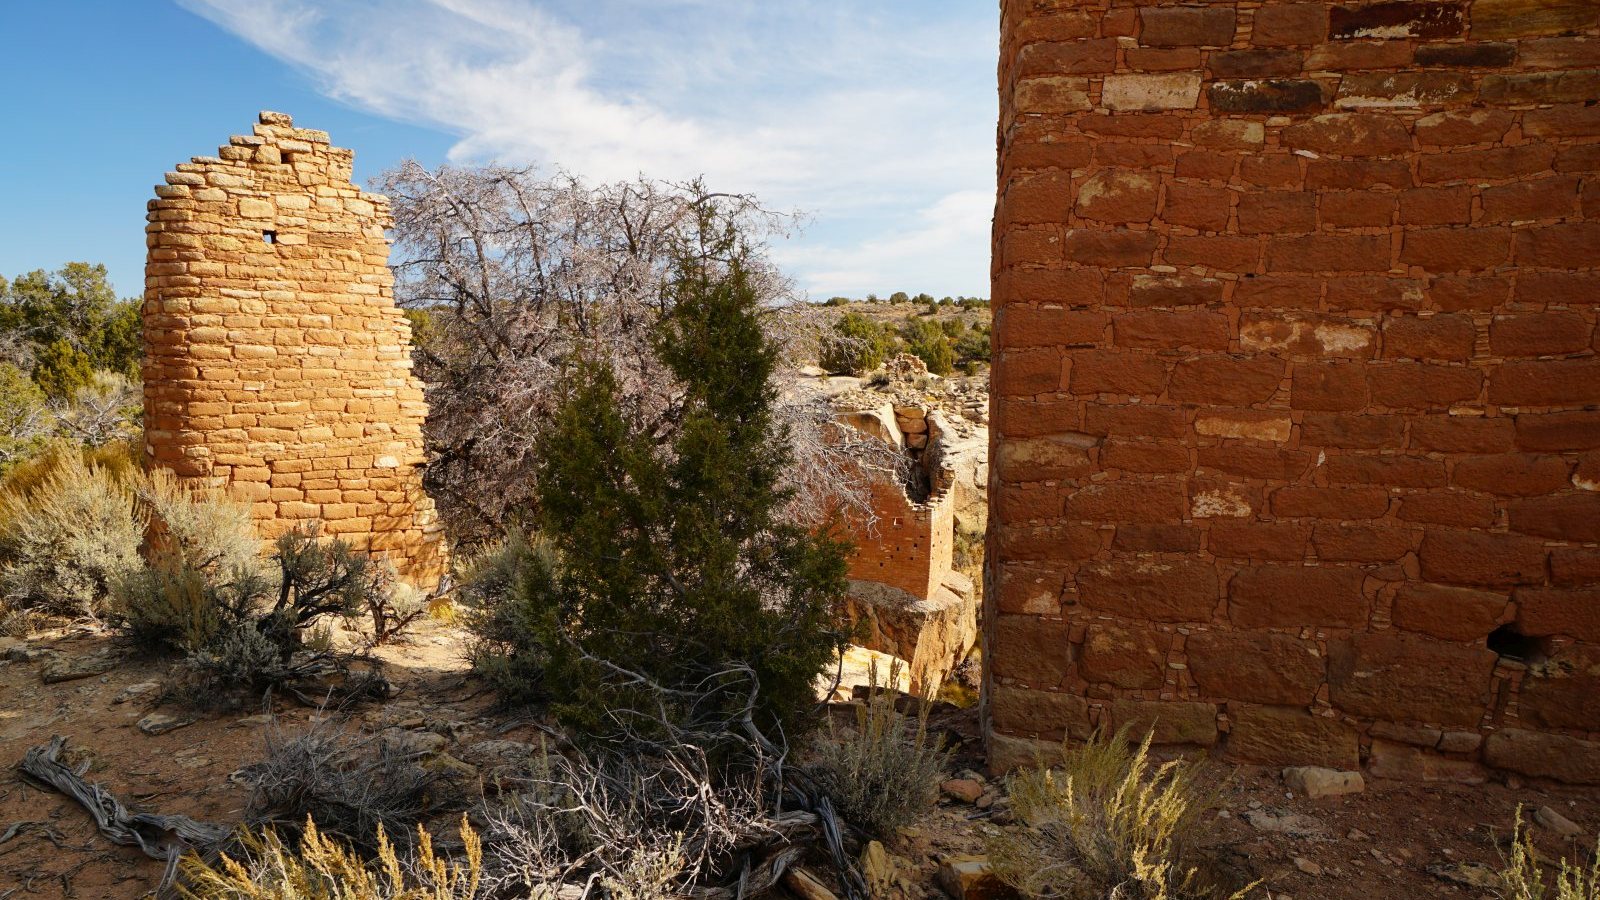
<point x="876" y="118"/>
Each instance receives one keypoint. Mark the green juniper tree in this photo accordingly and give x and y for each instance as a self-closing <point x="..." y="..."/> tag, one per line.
<point x="669" y="593"/>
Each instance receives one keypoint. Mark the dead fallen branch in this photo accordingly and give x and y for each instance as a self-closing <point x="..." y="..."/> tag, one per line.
<point x="159" y="837"/>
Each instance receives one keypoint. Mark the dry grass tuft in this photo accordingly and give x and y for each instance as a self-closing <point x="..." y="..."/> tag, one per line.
<point x="324" y="869"/>
<point x="1109" y="823"/>
<point x="1523" y="878"/>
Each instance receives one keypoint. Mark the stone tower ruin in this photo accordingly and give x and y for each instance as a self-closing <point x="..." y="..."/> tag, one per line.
<point x="276" y="363"/>
<point x="1296" y="399"/>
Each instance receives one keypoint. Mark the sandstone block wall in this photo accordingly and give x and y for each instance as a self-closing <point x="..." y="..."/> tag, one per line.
<point x="1296" y="399"/>
<point x="276" y="363"/>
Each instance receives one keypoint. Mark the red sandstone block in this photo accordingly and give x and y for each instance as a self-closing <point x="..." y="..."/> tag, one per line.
<point x="1219" y="252"/>
<point x="1277" y="212"/>
<point x="1559" y="431"/>
<point x="1021" y="327"/>
<point x="1540" y="334"/>
<point x="1371" y="432"/>
<point x="1158" y="290"/>
<point x="1512" y="474"/>
<point x="1558" y="246"/>
<point x="1128" y="658"/>
<point x="1262" y="668"/>
<point x="1543" y="612"/>
<point x="1118" y="196"/>
<point x="1450" y="613"/>
<point x="1115" y="372"/>
<point x="1058" y="543"/>
<point x="1423" y="386"/>
<point x="1157" y="329"/>
<point x="1328" y="386"/>
<point x="1290" y="24"/>
<point x="1254" y="461"/>
<point x="1284" y="596"/>
<point x="1026" y="418"/>
<point x="1144" y="157"/>
<point x="1441" y="337"/>
<point x="1447" y="508"/>
<point x="1148" y="457"/>
<point x="1028" y="502"/>
<point x="1555" y="382"/>
<point x="1242" y="539"/>
<point x="1573" y="516"/>
<point x="1041" y="246"/>
<point x="1454" y="128"/>
<point x="1496" y="164"/>
<point x="1574" y="566"/>
<point x="1357" y="174"/>
<point x="1289" y="736"/>
<point x="1462" y="434"/>
<point x="1558" y="288"/>
<point x="1037" y="199"/>
<point x="1409" y="678"/>
<point x="1545" y="198"/>
<point x="1160" y="589"/>
<point x="1206" y="165"/>
<point x="1070" y="287"/>
<point x="1559" y="53"/>
<point x="1065" y="25"/>
<point x="1029" y="649"/>
<point x="1456" y="249"/>
<point x="1142" y="420"/>
<point x="1134" y="124"/>
<point x="1025" y="588"/>
<point x="1078" y="57"/>
<point x="1350" y="134"/>
<point x="1456" y="293"/>
<point x="1329" y="253"/>
<point x="1256" y="62"/>
<point x="1567" y="121"/>
<point x="1197" y="206"/>
<point x="1278" y="292"/>
<point x="1022" y="154"/>
<point x="1146" y="59"/>
<point x="1225" y="380"/>
<point x="1186" y="26"/>
<point x="1271" y="170"/>
<point x="1156" y="538"/>
<point x="1266" y="95"/>
<point x="1043" y="458"/>
<point x="1436" y="206"/>
<point x="1127" y="500"/>
<point x="1028" y="372"/>
<point x="1363" y="543"/>
<point x="1374" y="292"/>
<point x="1111" y="249"/>
<point x="1356" y="209"/>
<point x="1453" y="556"/>
<point x="1336" y="503"/>
<point x="1356" y="55"/>
<point x="1396" y="19"/>
<point x="1390" y="471"/>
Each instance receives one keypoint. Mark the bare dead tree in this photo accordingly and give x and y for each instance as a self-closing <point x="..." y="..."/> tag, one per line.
<point x="102" y="411"/>
<point x="513" y="270"/>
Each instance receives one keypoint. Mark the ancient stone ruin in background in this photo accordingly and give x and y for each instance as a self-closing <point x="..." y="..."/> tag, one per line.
<point x="276" y="363"/>
<point x="1296" y="402"/>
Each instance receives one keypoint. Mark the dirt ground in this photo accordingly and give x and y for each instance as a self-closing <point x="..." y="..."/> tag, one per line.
<point x="1394" y="840"/>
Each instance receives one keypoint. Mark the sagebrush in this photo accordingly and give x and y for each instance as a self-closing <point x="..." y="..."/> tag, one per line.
<point x="885" y="773"/>
<point x="1108" y="822"/>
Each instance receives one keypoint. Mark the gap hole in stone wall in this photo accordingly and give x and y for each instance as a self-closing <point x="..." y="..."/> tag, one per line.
<point x="1512" y="644"/>
<point x="269" y="237"/>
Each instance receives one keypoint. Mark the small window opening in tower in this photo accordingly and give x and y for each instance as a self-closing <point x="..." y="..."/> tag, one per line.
<point x="1514" y="645"/>
<point x="269" y="237"/>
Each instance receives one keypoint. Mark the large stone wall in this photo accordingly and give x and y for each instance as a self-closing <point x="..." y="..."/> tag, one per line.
<point x="276" y="363"/>
<point x="1296" y="400"/>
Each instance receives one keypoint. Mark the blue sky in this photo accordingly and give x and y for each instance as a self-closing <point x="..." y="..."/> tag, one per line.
<point x="875" y="118"/>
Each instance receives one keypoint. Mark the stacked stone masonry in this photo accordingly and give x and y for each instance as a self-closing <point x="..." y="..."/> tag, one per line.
<point x="276" y="363"/>
<point x="1296" y="396"/>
